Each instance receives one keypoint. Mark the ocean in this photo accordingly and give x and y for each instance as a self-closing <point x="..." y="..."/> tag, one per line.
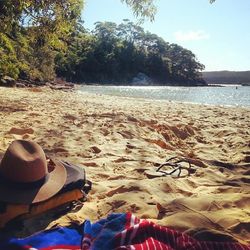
<point x="226" y="96"/>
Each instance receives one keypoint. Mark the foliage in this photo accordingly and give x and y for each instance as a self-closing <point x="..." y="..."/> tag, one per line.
<point x="117" y="53"/>
<point x="35" y="30"/>
<point x="8" y="58"/>
<point x="37" y="37"/>
<point x="142" y="8"/>
<point x="31" y="32"/>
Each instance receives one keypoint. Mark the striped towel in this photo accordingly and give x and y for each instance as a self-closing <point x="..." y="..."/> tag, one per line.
<point x="117" y="231"/>
<point x="125" y="231"/>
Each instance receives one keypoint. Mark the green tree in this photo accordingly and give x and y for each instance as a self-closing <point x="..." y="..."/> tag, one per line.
<point x="142" y="8"/>
<point x="117" y="53"/>
<point x="8" y="59"/>
<point x="45" y="25"/>
<point x="78" y="61"/>
<point x="183" y="64"/>
<point x="33" y="32"/>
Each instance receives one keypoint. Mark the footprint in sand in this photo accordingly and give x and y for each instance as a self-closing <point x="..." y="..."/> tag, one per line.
<point x="130" y="146"/>
<point x="90" y="164"/>
<point x="105" y="132"/>
<point x="126" y="134"/>
<point x="247" y="158"/>
<point x="96" y="150"/>
<point x="182" y="132"/>
<point x="116" y="204"/>
<point x="160" y="143"/>
<point x="26" y="136"/>
<point x="123" y="189"/>
<point x="21" y="131"/>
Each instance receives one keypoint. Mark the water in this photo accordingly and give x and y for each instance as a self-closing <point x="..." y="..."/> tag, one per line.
<point x="229" y="95"/>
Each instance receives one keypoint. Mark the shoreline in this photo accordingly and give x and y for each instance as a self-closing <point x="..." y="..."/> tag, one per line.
<point x="169" y="101"/>
<point x="156" y="97"/>
<point x="133" y="136"/>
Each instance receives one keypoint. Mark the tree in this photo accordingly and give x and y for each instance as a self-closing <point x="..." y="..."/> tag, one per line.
<point x="145" y="8"/>
<point x="142" y="8"/>
<point x="32" y="33"/>
<point x="117" y="53"/>
<point x="45" y="25"/>
<point x="183" y="64"/>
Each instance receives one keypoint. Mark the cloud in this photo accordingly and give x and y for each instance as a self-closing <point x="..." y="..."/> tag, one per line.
<point x="191" y="35"/>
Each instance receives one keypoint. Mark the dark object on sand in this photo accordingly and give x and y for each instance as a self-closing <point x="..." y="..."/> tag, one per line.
<point x="175" y="168"/>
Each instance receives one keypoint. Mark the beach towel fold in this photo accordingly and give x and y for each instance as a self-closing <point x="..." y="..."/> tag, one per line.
<point x="117" y="231"/>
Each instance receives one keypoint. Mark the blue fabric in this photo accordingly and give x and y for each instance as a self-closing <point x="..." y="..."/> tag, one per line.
<point x="56" y="237"/>
<point x="105" y="230"/>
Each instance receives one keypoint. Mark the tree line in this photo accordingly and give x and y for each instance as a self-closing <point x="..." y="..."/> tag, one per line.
<point x="113" y="53"/>
<point x="40" y="40"/>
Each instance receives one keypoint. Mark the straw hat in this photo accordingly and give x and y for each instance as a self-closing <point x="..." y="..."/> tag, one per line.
<point x="25" y="177"/>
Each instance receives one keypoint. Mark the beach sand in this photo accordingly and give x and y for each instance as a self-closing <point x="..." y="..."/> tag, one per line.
<point x="119" y="140"/>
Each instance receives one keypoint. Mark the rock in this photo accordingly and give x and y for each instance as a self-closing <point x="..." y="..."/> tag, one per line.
<point x="61" y="87"/>
<point x="141" y="79"/>
<point x="7" y="81"/>
<point x="20" y="85"/>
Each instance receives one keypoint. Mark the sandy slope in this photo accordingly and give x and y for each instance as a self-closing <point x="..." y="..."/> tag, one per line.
<point x="118" y="140"/>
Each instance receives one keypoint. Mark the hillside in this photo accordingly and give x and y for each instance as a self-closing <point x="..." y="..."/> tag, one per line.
<point x="227" y="77"/>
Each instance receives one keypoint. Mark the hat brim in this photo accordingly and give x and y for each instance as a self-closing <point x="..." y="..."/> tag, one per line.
<point x="56" y="180"/>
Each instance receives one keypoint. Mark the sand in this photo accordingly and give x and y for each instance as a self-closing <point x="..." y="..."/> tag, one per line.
<point x="119" y="140"/>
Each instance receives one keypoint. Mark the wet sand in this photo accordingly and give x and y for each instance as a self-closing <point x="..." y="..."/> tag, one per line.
<point x="121" y="141"/>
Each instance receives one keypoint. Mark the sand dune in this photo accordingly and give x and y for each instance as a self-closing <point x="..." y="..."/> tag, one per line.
<point x="117" y="140"/>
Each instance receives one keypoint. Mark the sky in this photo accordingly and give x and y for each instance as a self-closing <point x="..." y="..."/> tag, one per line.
<point x="218" y="34"/>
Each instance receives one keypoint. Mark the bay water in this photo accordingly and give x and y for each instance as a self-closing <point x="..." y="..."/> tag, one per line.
<point x="226" y="96"/>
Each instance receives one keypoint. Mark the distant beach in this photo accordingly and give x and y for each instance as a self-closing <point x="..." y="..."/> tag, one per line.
<point x="118" y="140"/>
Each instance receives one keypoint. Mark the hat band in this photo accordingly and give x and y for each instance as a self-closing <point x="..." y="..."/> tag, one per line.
<point x="23" y="185"/>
